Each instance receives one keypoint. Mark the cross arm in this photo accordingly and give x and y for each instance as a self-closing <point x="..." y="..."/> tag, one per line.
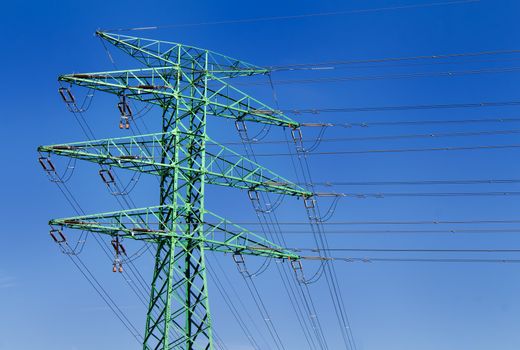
<point x="148" y="224"/>
<point x="161" y="85"/>
<point x="144" y="153"/>
<point x="155" y="53"/>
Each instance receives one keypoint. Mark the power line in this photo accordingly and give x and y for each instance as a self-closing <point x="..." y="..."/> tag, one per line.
<point x="412" y="122"/>
<point x="105" y="296"/>
<point x="430" y="260"/>
<point x="387" y="76"/>
<point x="406" y="250"/>
<point x="233" y="308"/>
<point x="326" y="270"/>
<point x="336" y="79"/>
<point x="327" y="64"/>
<point x="402" y="150"/>
<point x="389" y="137"/>
<point x="390" y="222"/>
<point x="382" y="222"/>
<point x="292" y="17"/>
<point x="267" y="220"/>
<point x="401" y="108"/>
<point x="344" y="231"/>
<point x="418" y="183"/>
<point x="451" y="231"/>
<point x="299" y="296"/>
<point x="418" y="194"/>
<point x="255" y="294"/>
<point x="321" y="240"/>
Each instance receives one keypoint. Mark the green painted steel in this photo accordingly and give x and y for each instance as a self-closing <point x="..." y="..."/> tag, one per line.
<point x="144" y="153"/>
<point x="144" y="224"/>
<point x="188" y="84"/>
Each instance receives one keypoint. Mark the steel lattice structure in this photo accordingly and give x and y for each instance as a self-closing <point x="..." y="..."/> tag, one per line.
<point x="188" y="84"/>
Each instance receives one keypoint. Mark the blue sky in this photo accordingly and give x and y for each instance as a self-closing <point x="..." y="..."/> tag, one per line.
<point x="46" y="303"/>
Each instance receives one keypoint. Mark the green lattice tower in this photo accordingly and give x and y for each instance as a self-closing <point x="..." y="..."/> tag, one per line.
<point x="188" y="84"/>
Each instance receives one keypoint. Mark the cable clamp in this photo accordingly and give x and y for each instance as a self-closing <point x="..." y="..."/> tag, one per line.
<point x="264" y="111"/>
<point x="124" y="123"/>
<point x="117" y="266"/>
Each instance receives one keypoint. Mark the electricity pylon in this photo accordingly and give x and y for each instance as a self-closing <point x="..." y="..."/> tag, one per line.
<point x="188" y="84"/>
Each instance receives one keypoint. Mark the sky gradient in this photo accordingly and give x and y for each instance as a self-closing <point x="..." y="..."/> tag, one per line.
<point x="46" y="303"/>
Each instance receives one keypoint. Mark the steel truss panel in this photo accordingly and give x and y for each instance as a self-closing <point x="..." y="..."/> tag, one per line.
<point x="144" y="153"/>
<point x="145" y="224"/>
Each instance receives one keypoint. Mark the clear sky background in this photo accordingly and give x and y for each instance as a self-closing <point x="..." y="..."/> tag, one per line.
<point x="46" y="304"/>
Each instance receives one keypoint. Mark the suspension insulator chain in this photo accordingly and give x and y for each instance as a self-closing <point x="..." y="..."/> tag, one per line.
<point x="67" y="95"/>
<point x="61" y="240"/>
<point x="241" y="127"/>
<point x="298" y="270"/>
<point x="119" y="250"/>
<point x="49" y="168"/>
<point x="255" y="200"/>
<point x="297" y="137"/>
<point x="241" y="264"/>
<point x="69" y="99"/>
<point x="125" y="112"/>
<point x="57" y="235"/>
<point x="46" y="164"/>
<point x="107" y="176"/>
<point x="309" y="202"/>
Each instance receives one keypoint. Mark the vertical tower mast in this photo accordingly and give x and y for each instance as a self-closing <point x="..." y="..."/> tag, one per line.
<point x="180" y="271"/>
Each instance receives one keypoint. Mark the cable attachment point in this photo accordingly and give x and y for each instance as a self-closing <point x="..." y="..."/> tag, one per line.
<point x="298" y="270"/>
<point x="69" y="100"/>
<point x="297" y="137"/>
<point x="57" y="235"/>
<point x="296" y="134"/>
<point x="107" y="176"/>
<point x="125" y="112"/>
<point x="241" y="264"/>
<point x="241" y="127"/>
<point x="119" y="250"/>
<point x="46" y="164"/>
<point x="254" y="197"/>
<point x="67" y="95"/>
<point x="309" y="202"/>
